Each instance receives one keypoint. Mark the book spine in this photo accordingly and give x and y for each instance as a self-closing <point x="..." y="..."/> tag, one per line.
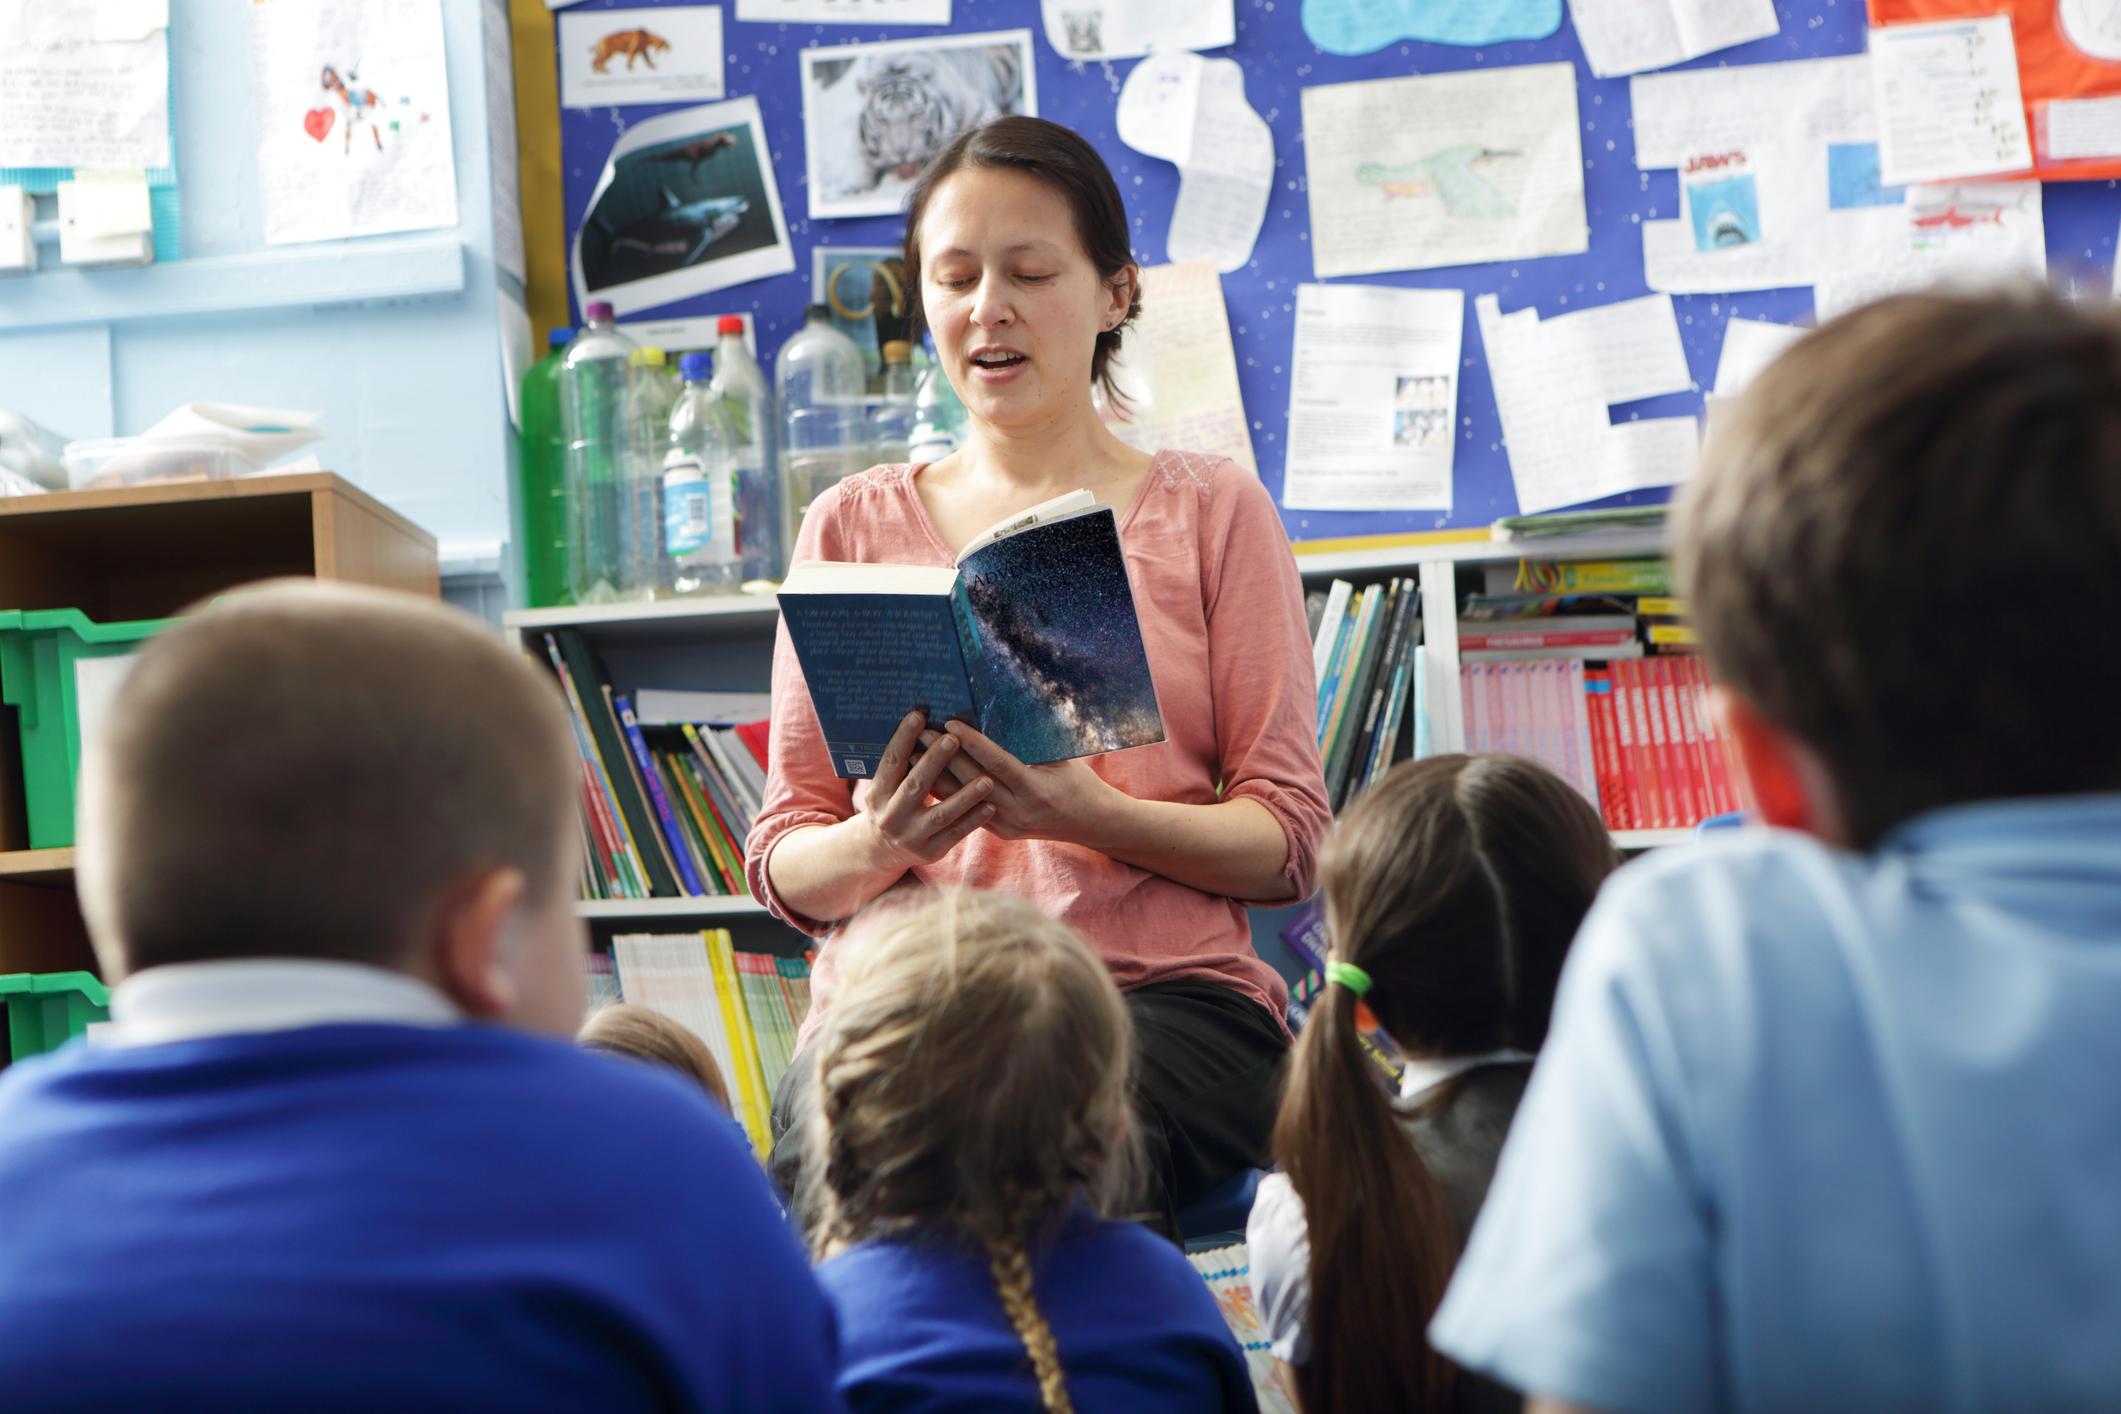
<point x="1642" y="764"/>
<point x="1329" y="625"/>
<point x="652" y="781"/>
<point x="1686" y="702"/>
<point x="714" y="869"/>
<point x="728" y="867"/>
<point x="1475" y="639"/>
<point x="742" y="1043"/>
<point x="1376" y="736"/>
<point x="1424" y="740"/>
<point x="1597" y="703"/>
<point x="720" y="772"/>
<point x="1611" y="577"/>
<point x="1362" y="702"/>
<point x="1329" y="685"/>
<point x="1678" y="747"/>
<point x="624" y="857"/>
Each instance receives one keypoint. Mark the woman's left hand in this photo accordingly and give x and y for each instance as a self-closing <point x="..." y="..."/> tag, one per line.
<point x="1061" y="801"/>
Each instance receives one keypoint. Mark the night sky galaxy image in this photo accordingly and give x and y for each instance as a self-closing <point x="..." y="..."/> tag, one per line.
<point x="1061" y="671"/>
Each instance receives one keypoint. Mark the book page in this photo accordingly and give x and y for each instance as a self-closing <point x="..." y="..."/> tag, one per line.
<point x="1445" y="169"/>
<point x="1373" y="398"/>
<point x="1074" y="503"/>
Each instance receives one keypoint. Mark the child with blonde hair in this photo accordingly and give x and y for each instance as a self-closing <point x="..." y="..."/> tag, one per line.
<point x="973" y="1124"/>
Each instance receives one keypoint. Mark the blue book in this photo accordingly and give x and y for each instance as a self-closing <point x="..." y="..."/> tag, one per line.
<point x="1306" y="934"/>
<point x="1031" y="637"/>
<point x="652" y="782"/>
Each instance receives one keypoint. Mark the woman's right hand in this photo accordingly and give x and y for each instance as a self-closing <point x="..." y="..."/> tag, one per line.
<point x="905" y="827"/>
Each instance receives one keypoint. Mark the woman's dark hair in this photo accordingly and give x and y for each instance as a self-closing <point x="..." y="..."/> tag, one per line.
<point x="1456" y="883"/>
<point x="1061" y="159"/>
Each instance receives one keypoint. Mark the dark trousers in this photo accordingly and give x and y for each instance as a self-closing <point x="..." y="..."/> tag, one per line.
<point x="1208" y="1071"/>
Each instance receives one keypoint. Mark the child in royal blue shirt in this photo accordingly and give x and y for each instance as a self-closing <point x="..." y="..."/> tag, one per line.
<point x="322" y="1162"/>
<point x="973" y="1115"/>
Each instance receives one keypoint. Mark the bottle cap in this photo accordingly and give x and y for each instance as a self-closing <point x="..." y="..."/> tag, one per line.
<point x="558" y="338"/>
<point x="817" y="313"/>
<point x="599" y="312"/>
<point x="694" y="366"/>
<point x="729" y="324"/>
<point x="898" y="351"/>
<point x="650" y="355"/>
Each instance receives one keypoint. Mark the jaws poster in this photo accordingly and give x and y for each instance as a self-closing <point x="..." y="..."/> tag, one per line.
<point x="686" y="204"/>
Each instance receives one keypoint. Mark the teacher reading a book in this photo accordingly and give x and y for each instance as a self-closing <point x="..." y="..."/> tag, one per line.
<point x="1017" y="250"/>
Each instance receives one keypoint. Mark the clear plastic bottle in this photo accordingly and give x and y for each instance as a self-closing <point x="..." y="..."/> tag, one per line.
<point x="650" y="396"/>
<point x="938" y="415"/>
<point x="891" y="418"/>
<point x="821" y="382"/>
<point x="593" y="415"/>
<point x="699" y="475"/>
<point x="747" y="403"/>
<point x="541" y="479"/>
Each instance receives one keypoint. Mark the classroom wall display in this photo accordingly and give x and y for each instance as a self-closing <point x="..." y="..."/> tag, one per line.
<point x="1279" y="48"/>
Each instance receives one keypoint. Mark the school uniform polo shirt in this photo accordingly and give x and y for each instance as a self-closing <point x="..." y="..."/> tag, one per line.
<point x="1816" y="1129"/>
<point x="308" y="1185"/>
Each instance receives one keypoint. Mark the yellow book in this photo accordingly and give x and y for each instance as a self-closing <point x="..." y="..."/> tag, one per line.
<point x="748" y="1084"/>
<point x="1675" y="635"/>
<point x="1651" y="607"/>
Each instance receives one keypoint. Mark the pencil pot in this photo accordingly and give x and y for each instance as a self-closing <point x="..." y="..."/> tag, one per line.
<point x="60" y="670"/>
<point x="45" y="1011"/>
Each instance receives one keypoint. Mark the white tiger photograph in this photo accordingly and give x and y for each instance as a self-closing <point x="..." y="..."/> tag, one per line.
<point x="873" y="114"/>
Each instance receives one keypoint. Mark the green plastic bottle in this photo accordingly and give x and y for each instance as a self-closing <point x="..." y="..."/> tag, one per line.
<point x="541" y="480"/>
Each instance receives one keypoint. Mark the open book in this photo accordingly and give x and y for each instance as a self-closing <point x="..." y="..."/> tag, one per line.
<point x="1031" y="637"/>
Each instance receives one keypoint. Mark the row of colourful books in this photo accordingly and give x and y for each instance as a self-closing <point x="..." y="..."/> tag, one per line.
<point x="665" y="806"/>
<point x="746" y="1006"/>
<point x="1635" y="736"/>
<point x="1367" y="657"/>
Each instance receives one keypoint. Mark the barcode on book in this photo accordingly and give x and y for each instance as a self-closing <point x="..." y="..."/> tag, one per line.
<point x="856" y="766"/>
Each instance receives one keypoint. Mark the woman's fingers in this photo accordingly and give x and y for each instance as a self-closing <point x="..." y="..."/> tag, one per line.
<point x="926" y="771"/>
<point x="891" y="769"/>
<point x="986" y="754"/>
<point x="946" y="837"/>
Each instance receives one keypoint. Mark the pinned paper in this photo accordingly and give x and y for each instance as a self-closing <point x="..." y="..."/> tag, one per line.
<point x="2082" y="127"/>
<point x="1366" y="26"/>
<point x="1444" y="169"/>
<point x="1948" y="103"/>
<point x="671" y="54"/>
<point x="1630" y="36"/>
<point x="1750" y="345"/>
<point x="1125" y="29"/>
<point x="68" y="102"/>
<point x="1178" y="369"/>
<point x="1554" y="380"/>
<point x="1373" y="398"/>
<point x="124" y="21"/>
<point x="1962" y="235"/>
<point x="1192" y="112"/>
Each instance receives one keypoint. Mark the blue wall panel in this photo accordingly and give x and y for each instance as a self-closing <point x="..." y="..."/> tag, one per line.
<point x="1279" y="62"/>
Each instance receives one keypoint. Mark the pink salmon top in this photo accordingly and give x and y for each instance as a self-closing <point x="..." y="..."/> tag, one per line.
<point x="1222" y="617"/>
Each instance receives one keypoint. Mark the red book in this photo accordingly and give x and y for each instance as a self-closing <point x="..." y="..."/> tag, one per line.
<point x="1634" y="699"/>
<point x="1573" y="638"/>
<point x="1598" y="712"/>
<point x="754" y="735"/>
<point x="1679" y="743"/>
<point x="1694" y="695"/>
<point x="1631" y="781"/>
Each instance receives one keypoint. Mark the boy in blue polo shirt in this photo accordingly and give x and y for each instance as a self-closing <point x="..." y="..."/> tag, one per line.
<point x="322" y="1161"/>
<point x="1830" y="1114"/>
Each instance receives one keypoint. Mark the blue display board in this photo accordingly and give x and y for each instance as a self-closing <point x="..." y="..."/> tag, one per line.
<point x="1279" y="62"/>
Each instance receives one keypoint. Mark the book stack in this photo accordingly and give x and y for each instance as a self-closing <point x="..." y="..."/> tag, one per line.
<point x="665" y="804"/>
<point x="746" y="1006"/>
<point x="1366" y="656"/>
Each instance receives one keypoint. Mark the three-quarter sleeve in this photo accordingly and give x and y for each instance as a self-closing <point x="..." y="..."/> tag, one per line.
<point x="801" y="788"/>
<point x="1259" y="660"/>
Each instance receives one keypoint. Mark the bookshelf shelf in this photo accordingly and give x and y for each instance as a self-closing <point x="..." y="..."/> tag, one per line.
<point x="678" y="620"/>
<point x="1404" y="559"/>
<point x="53" y="867"/>
<point x="1649" y="839"/>
<point x="607" y="910"/>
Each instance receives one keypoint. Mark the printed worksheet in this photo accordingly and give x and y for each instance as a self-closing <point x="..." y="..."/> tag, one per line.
<point x="1373" y="398"/>
<point x="1179" y="368"/>
<point x="1446" y="169"/>
<point x="1192" y="113"/>
<point x="1948" y="100"/>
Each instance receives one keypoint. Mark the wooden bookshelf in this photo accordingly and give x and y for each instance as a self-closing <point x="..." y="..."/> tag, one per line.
<point x="658" y="910"/>
<point x="147" y="552"/>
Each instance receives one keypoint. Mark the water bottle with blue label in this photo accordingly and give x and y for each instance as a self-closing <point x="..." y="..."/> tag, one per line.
<point x="701" y="549"/>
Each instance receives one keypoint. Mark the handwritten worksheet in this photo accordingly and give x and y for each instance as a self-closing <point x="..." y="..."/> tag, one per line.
<point x="1948" y="100"/>
<point x="67" y="101"/>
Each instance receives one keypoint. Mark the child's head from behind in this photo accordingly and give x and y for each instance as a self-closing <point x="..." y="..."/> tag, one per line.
<point x="639" y="1033"/>
<point x="1901" y="549"/>
<point x="1456" y="883"/>
<point x="973" y="1075"/>
<point x="302" y="770"/>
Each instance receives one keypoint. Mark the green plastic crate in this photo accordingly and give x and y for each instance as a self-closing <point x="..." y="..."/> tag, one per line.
<point x="41" y="651"/>
<point x="46" y="1010"/>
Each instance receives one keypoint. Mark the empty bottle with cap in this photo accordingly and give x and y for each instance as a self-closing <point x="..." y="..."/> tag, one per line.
<point x="821" y="382"/>
<point x="891" y="417"/>
<point x="938" y="416"/>
<point x="541" y="479"/>
<point x="701" y="531"/>
<point x="747" y="403"/>
<point x="593" y="413"/>
<point x="650" y="395"/>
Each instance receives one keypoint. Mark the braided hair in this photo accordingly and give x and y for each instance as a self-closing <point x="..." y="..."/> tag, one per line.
<point x="973" y="1084"/>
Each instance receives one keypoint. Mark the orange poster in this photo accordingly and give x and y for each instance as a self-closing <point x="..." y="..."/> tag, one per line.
<point x="2069" y="73"/>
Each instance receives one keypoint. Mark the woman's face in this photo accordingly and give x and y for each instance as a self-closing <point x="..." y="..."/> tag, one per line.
<point x="1011" y="296"/>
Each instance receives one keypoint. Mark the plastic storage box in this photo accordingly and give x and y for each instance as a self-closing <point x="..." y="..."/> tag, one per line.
<point x="53" y="673"/>
<point x="132" y="461"/>
<point x="45" y="1011"/>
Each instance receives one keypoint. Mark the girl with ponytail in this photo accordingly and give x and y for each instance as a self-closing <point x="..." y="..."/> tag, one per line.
<point x="973" y="1124"/>
<point x="1452" y="889"/>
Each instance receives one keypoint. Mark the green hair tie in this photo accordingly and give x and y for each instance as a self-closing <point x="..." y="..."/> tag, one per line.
<point x="1348" y="975"/>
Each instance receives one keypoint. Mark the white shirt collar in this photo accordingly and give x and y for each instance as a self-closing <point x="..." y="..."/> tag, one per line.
<point x="189" y="1000"/>
<point x="1425" y="1073"/>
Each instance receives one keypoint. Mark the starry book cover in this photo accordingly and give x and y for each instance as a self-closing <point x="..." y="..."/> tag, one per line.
<point x="1032" y="638"/>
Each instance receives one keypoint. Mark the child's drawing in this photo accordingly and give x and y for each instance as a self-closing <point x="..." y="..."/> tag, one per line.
<point x="1451" y="176"/>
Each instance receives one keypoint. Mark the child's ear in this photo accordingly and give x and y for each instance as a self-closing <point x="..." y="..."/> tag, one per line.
<point x="1791" y="784"/>
<point x="467" y="951"/>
